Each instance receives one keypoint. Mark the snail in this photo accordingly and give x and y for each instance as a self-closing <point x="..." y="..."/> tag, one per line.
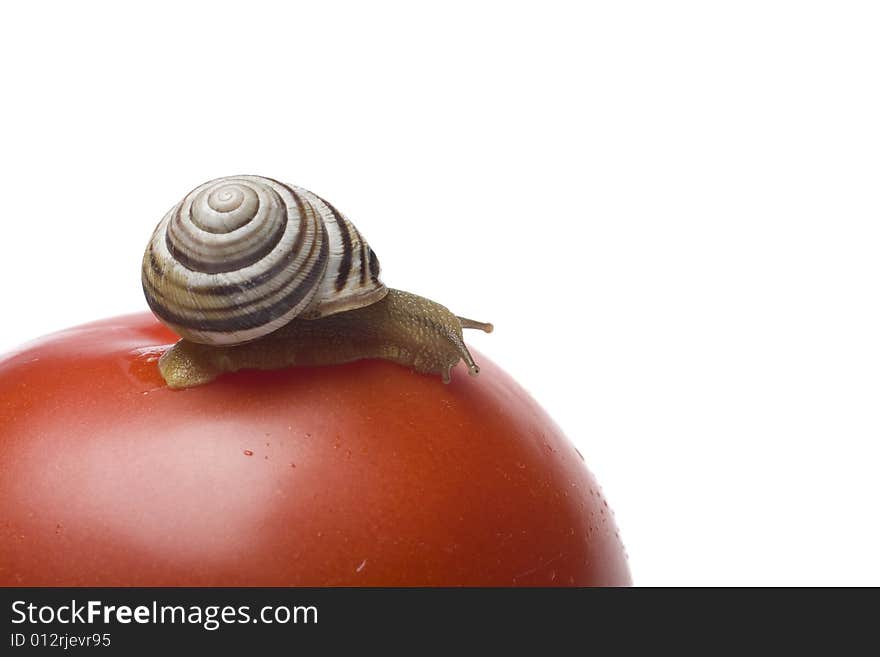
<point x="253" y="273"/>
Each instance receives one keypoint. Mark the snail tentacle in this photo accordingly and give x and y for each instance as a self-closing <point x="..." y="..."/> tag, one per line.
<point x="486" y="327"/>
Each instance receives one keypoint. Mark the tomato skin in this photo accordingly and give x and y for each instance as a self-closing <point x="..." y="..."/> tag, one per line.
<point x="364" y="474"/>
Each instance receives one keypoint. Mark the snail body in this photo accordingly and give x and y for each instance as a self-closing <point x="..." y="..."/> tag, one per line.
<point x="254" y="273"/>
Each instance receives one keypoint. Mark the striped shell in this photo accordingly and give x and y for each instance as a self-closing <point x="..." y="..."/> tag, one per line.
<point x="239" y="257"/>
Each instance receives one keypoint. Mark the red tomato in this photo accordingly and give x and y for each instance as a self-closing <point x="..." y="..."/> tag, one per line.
<point x="363" y="474"/>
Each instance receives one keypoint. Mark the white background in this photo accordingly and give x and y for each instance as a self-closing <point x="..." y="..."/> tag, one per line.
<point x="669" y="211"/>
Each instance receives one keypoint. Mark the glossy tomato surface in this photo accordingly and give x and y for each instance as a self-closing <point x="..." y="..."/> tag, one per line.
<point x="362" y="474"/>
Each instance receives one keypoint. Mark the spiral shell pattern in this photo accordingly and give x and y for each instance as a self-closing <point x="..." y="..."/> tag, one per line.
<point x="241" y="256"/>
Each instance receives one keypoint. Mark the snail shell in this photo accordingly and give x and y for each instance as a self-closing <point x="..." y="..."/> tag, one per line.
<point x="241" y="256"/>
